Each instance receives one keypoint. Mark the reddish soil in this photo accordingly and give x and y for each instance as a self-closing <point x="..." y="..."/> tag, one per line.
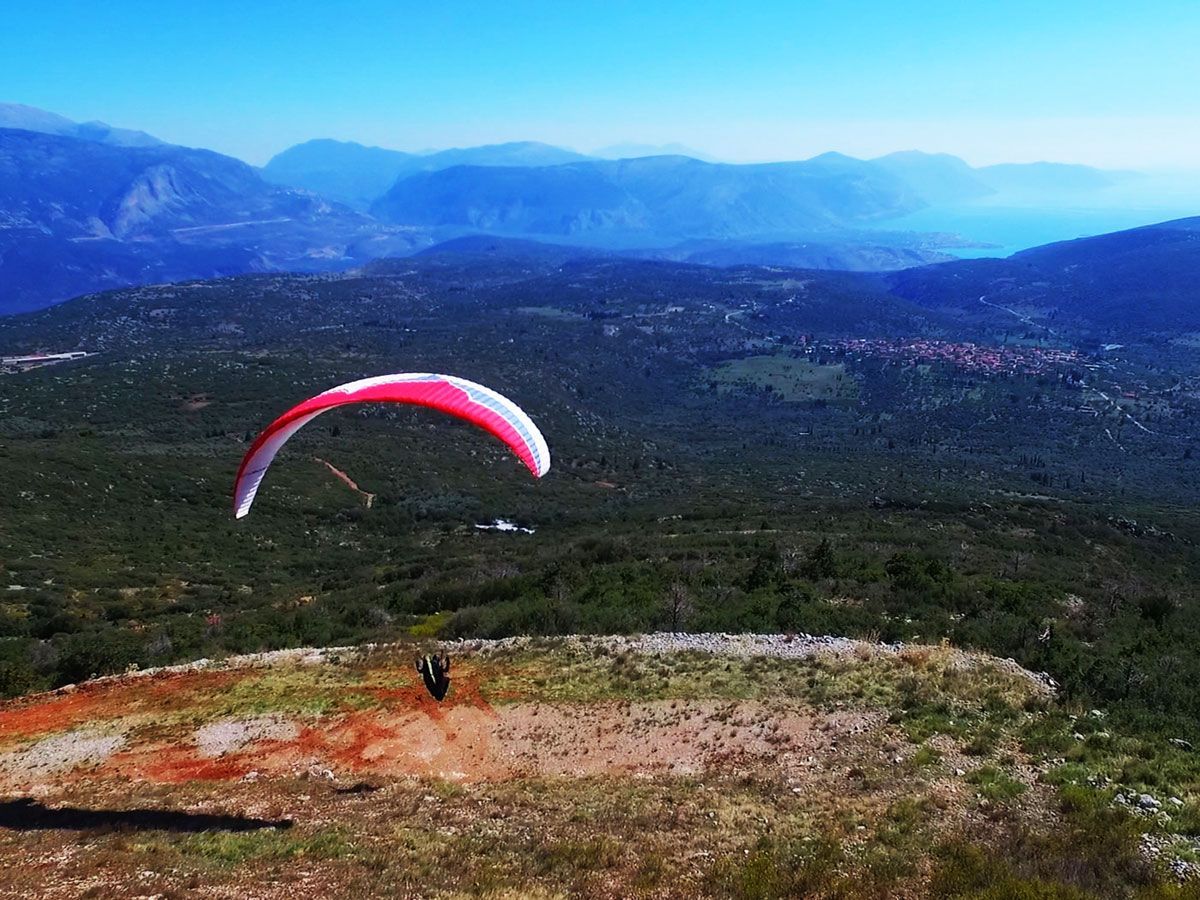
<point x="468" y="742"/>
<point x="402" y="732"/>
<point x="414" y="697"/>
<point x="98" y="701"/>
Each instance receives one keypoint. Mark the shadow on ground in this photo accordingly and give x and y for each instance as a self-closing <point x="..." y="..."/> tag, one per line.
<point x="27" y="814"/>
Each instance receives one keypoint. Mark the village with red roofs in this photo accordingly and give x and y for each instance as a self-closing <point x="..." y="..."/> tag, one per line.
<point x="971" y="357"/>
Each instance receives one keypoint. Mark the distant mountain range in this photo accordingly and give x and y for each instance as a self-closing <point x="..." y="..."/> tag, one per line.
<point x="935" y="177"/>
<point x="632" y="149"/>
<point x="940" y="178"/>
<point x="387" y="182"/>
<point x="29" y="118"/>
<point x="81" y="215"/>
<point x="358" y="175"/>
<point x="85" y="207"/>
<point x="656" y="199"/>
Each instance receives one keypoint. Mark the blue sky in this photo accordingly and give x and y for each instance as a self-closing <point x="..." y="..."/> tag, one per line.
<point x="1106" y="83"/>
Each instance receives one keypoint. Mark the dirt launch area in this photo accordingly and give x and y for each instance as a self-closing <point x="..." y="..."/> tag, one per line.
<point x="604" y="767"/>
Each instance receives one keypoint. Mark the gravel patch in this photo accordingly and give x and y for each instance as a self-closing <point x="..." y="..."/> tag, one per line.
<point x="62" y="752"/>
<point x="227" y="735"/>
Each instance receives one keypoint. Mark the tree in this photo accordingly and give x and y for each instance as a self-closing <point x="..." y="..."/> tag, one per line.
<point x="1019" y="559"/>
<point x="677" y="604"/>
<point x="821" y="563"/>
<point x="767" y="567"/>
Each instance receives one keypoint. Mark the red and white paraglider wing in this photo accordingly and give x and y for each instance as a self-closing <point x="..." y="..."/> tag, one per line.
<point x="456" y="396"/>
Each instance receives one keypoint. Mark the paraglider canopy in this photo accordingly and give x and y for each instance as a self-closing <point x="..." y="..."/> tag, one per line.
<point x="457" y="396"/>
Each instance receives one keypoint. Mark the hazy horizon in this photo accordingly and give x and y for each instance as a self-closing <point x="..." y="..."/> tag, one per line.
<point x="666" y="146"/>
<point x="1096" y="84"/>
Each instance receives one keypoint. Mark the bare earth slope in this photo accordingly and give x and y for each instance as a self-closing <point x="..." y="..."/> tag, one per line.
<point x="656" y="766"/>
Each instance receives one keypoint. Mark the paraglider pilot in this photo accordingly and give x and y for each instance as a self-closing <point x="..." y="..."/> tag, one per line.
<point x="435" y="671"/>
